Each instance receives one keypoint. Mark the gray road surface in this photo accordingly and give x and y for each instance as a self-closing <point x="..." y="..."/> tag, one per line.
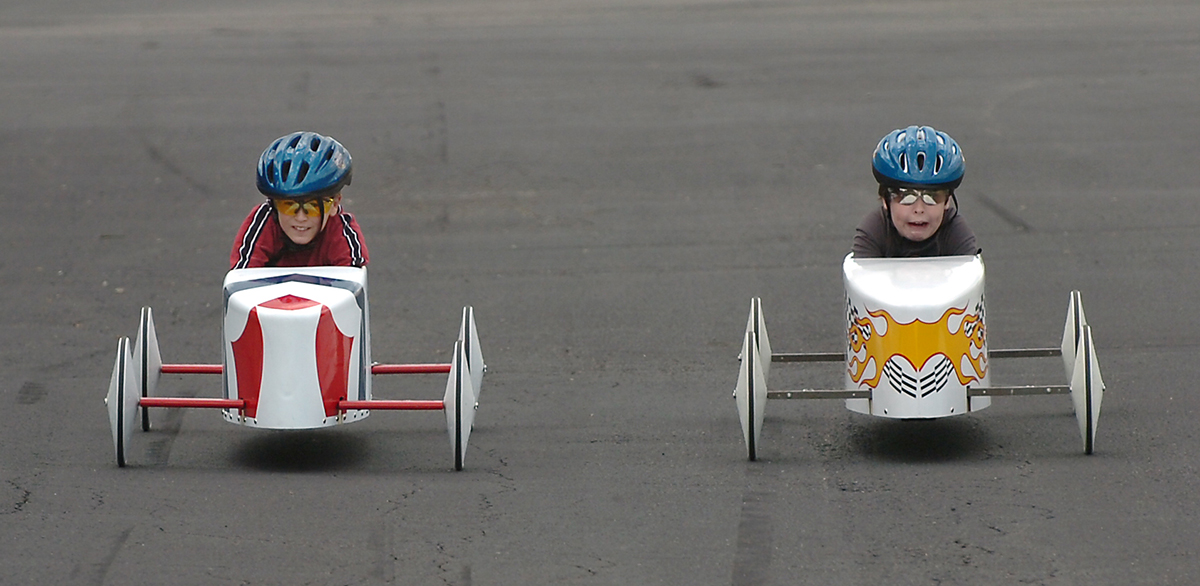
<point x="608" y="184"/>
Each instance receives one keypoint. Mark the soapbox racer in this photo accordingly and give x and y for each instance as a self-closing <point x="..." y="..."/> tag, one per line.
<point x="296" y="355"/>
<point x="916" y="348"/>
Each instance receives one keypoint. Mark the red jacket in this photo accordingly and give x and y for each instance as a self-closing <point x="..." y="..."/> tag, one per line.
<point x="261" y="243"/>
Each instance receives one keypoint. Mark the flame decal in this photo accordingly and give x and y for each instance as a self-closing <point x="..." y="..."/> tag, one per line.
<point x="916" y="342"/>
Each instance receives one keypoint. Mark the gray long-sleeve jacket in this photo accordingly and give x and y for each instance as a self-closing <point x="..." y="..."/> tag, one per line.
<point x="875" y="237"/>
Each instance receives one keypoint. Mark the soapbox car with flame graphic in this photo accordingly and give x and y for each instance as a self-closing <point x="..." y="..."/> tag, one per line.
<point x="296" y="355"/>
<point x="917" y="348"/>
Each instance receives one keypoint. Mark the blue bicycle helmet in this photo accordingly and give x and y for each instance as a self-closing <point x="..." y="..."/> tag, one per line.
<point x="918" y="157"/>
<point x="303" y="165"/>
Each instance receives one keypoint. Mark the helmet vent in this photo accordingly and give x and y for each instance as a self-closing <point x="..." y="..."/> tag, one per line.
<point x="315" y="144"/>
<point x="287" y="169"/>
<point x="295" y="141"/>
<point x="937" y="165"/>
<point x="920" y="134"/>
<point x="303" y="172"/>
<point x="904" y="162"/>
<point x="920" y="161"/>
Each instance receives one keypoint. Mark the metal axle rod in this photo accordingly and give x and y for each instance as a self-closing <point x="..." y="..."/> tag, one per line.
<point x="1021" y="390"/>
<point x="820" y="394"/>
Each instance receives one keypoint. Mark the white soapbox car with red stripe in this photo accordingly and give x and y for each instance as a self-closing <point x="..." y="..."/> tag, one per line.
<point x="917" y="348"/>
<point x="297" y="355"/>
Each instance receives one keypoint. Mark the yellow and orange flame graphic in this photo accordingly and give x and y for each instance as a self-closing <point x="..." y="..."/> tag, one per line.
<point x="917" y="342"/>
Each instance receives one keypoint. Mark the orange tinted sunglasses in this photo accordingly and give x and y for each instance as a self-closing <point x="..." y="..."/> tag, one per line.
<point x="311" y="207"/>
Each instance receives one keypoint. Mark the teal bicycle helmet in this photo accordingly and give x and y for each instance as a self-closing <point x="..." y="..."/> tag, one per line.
<point x="918" y="157"/>
<point x="304" y="165"/>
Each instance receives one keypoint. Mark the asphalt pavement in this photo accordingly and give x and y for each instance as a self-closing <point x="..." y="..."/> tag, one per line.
<point x="608" y="184"/>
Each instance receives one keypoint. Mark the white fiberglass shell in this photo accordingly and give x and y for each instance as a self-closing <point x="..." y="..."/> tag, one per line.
<point x="296" y="341"/>
<point x="916" y="335"/>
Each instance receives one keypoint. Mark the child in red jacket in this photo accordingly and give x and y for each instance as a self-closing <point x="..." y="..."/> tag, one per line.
<point x="302" y="223"/>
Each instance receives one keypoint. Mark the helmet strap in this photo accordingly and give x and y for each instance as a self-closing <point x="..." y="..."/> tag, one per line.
<point x="333" y="201"/>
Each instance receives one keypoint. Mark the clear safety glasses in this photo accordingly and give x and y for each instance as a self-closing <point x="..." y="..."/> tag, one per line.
<point x="906" y="197"/>
<point x="311" y="207"/>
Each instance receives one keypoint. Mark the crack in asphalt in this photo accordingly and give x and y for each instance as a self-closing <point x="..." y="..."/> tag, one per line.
<point x="1010" y="217"/>
<point x="102" y="568"/>
<point x="21" y="501"/>
<point x="158" y="157"/>
<point x="754" y="537"/>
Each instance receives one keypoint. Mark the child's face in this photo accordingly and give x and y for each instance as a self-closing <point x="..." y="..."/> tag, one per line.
<point x="918" y="220"/>
<point x="304" y="223"/>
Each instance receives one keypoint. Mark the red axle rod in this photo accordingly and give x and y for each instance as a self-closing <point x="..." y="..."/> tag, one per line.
<point x="205" y="403"/>
<point x="192" y="369"/>
<point x="375" y="369"/>
<point x="197" y="403"/>
<point x="410" y="368"/>
<point x="393" y="405"/>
